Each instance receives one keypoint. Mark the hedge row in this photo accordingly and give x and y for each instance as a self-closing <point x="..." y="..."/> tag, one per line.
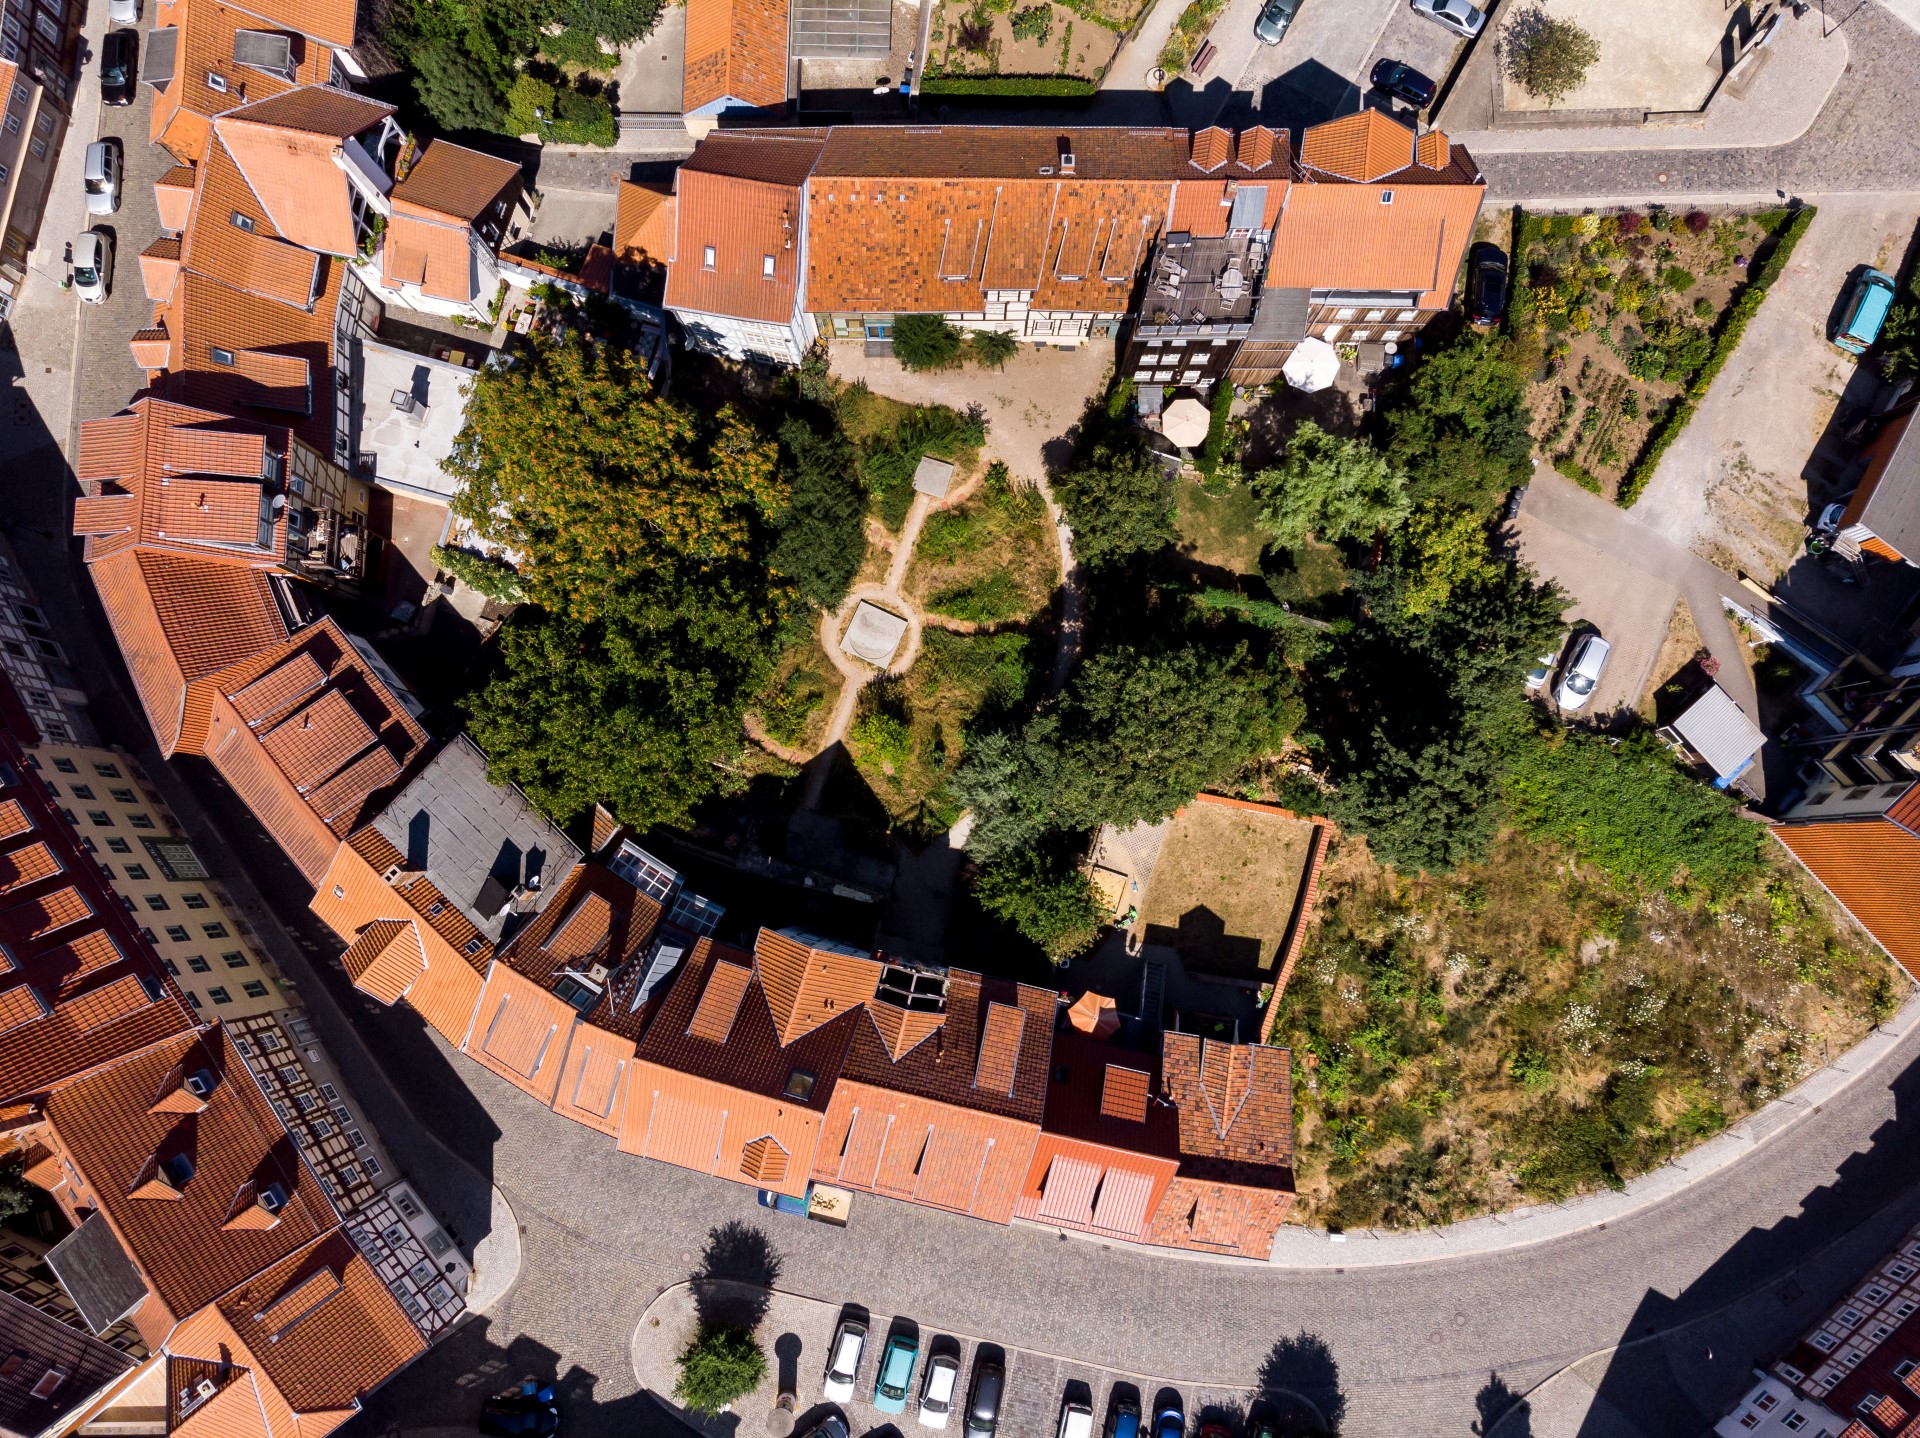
<point x="1074" y="85"/>
<point x="1745" y="306"/>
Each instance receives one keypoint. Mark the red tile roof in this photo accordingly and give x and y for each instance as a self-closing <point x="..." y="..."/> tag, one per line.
<point x="1003" y="1029"/>
<point x="594" y="917"/>
<point x="190" y="1257"/>
<point x="736" y="50"/>
<point x="743" y="222"/>
<point x="1872" y="866"/>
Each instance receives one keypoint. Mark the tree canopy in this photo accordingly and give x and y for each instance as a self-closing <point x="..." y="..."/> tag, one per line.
<point x="722" y="1364"/>
<point x="823" y="529"/>
<point x="1333" y="489"/>
<point x="925" y="342"/>
<point x="1119" y="502"/>
<point x="1461" y="432"/>
<point x="1548" y="57"/>
<point x="1046" y="896"/>
<point x="643" y="534"/>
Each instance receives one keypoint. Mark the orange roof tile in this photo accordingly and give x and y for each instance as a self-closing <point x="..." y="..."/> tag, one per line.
<point x="1123" y="1093"/>
<point x="1872" y="866"/>
<point x="999" y="1049"/>
<point x="311" y="745"/>
<point x="521" y="1032"/>
<point x="1407" y="238"/>
<point x="720" y="1003"/>
<point x="455" y="183"/>
<point x="433" y="254"/>
<point x="188" y="1257"/>
<point x="173" y="194"/>
<point x="807" y="985"/>
<point x="736" y="51"/>
<point x="279" y="688"/>
<point x="742" y="223"/>
<point x="205" y="47"/>
<point x="386" y="959"/>
<point x="642" y="223"/>
<point x="1364" y="146"/>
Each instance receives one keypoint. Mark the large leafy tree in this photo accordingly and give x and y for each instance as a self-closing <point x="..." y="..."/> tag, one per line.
<point x="1119" y="503"/>
<point x="1461" y="435"/>
<point x="1046" y="896"/>
<point x="1548" y="57"/>
<point x="823" y="528"/>
<point x="1330" y="488"/>
<point x="642" y="536"/>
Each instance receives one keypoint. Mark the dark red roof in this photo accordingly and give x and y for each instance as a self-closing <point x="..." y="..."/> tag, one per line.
<point x="947" y="1065"/>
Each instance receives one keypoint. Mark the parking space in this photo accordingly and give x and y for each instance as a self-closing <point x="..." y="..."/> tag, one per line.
<point x="1414" y="40"/>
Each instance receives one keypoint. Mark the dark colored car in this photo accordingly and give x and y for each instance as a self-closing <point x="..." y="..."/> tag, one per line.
<point x="527" y="1410"/>
<point x="1403" y="82"/>
<point x="119" y="66"/>
<point x="983" y="1402"/>
<point x="1486" y="284"/>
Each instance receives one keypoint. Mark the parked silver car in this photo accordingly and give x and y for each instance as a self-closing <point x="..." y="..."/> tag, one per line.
<point x="101" y="174"/>
<point x="1275" y="16"/>
<point x="93" y="266"/>
<point x="1457" y="15"/>
<point x="1582" y="674"/>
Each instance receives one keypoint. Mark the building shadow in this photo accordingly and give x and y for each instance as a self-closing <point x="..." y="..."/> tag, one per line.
<point x="1299" y="1379"/>
<point x="1205" y="946"/>
<point x="1306" y="95"/>
<point x="1683" y="1359"/>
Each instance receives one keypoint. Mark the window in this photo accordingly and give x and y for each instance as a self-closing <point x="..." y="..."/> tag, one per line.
<point x="707" y="257"/>
<point x="243" y="1048"/>
<point x="329" y="1092"/>
<point x="766" y="266"/>
<point x="373" y="1166"/>
<point x="126" y="902"/>
<point x="235" y="959"/>
<point x="1869" y="1403"/>
<point x="136" y="871"/>
<point x="306" y="1102"/>
<point x="13" y="124"/>
<point x="356" y="1138"/>
<point x="1904" y="1308"/>
<point x="403" y="1201"/>
<point x="1749" y="1420"/>
<point x="1850" y="1316"/>
<point x="349" y="1174"/>
<point x="178" y="933"/>
<point x="800" y="1085"/>
<point x="100" y="818"/>
<point x="1874" y="1293"/>
<point x="1901" y="1271"/>
<point x="193" y="998"/>
<point x="242" y="222"/>
<point x="179" y="1169"/>
<point x="172" y="967"/>
<point x="254" y="989"/>
<point x="140" y="821"/>
<point x="1766" y="1402"/>
<point x="80" y="791"/>
<point x="123" y="796"/>
<point x="120" y="846"/>
<point x="1794" y="1421"/>
<point x="106" y="872"/>
<point x="216" y="82"/>
<point x="66" y="766"/>
<point x="289" y="1075"/>
<point x="195" y="901"/>
<point x="214" y="930"/>
<point x="322" y="1128"/>
<point x="157" y="902"/>
<point x="341" y="1112"/>
<point x="1825" y="1342"/>
<point x="1904" y="1367"/>
<point x="222" y="356"/>
<point x="50" y="1382"/>
<point x="219" y="996"/>
<point x="1386" y="197"/>
<point x="107" y="771"/>
<point x="86" y="842"/>
<point x="148" y="935"/>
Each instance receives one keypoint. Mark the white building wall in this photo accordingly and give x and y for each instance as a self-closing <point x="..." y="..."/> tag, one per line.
<point x="1771" y="1409"/>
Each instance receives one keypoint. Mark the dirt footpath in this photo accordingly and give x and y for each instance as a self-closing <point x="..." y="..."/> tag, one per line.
<point x="1734" y="487"/>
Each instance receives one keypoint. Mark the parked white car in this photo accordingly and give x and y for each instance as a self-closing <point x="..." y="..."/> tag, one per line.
<point x="101" y="173"/>
<point x="123" y="12"/>
<point x="1457" y="15"/>
<point x="843" y="1360"/>
<point x="93" y="266"/>
<point x="937" y="1390"/>
<point x="1582" y="674"/>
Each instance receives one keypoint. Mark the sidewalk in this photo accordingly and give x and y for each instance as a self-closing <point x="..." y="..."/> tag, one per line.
<point x="1785" y="98"/>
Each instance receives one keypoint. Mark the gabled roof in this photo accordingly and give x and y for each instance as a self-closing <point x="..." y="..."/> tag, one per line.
<point x="736" y="55"/>
<point x="177" y="477"/>
<point x="285" y="147"/>
<point x="189" y="1252"/>
<point x="204" y="39"/>
<point x="1235" y="1100"/>
<point x="1386" y="237"/>
<point x="1888" y="499"/>
<point x="454" y="183"/>
<point x="744" y="221"/>
<point x="43" y="1342"/>
<point x="642" y="224"/>
<point x="989" y="1054"/>
<point x="594" y="917"/>
<point x="808" y="981"/>
<point x="1363" y="146"/>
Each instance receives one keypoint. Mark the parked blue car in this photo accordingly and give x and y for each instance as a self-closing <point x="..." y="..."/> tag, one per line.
<point x="1865" y="312"/>
<point x="895" y="1378"/>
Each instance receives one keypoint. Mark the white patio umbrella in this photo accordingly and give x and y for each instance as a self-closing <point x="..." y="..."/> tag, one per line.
<point x="1185" y="422"/>
<point x="1313" y="365"/>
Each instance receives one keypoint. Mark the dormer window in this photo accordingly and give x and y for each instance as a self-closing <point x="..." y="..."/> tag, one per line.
<point x="708" y="258"/>
<point x="216" y="82"/>
<point x="273" y="1198"/>
<point x="242" y="222"/>
<point x="178" y="1169"/>
<point x="223" y="357"/>
<point x="800" y="1085"/>
<point x="1386" y="197"/>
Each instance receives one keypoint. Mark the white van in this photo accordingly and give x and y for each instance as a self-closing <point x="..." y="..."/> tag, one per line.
<point x="102" y="175"/>
<point x="1076" y="1421"/>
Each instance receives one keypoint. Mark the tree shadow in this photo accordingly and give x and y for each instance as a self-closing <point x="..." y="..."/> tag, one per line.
<point x="1502" y="1410"/>
<point x="738" y="1268"/>
<point x="1303" y="1367"/>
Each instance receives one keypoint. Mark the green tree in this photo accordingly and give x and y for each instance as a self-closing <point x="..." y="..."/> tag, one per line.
<point x="991" y="347"/>
<point x="620" y="21"/>
<point x="1425" y="807"/>
<point x="487" y="573"/>
<point x="1330" y="488"/>
<point x="925" y="342"/>
<point x="572" y="463"/>
<point x="1119" y="503"/>
<point x="16" y="1194"/>
<point x="1900" y="338"/>
<point x="1047" y="897"/>
<point x="1461" y="433"/>
<point x="456" y="89"/>
<point x="999" y="784"/>
<point x="1443" y="547"/>
<point x="1547" y="58"/>
<point x="723" y="1364"/>
<point x="823" y="527"/>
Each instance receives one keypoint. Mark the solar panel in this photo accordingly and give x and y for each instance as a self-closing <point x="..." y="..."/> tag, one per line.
<point x="842" y="29"/>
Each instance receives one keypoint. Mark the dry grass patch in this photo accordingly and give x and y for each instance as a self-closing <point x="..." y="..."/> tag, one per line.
<point x="988" y="561"/>
<point x="1224" y="887"/>
<point x="1527" y="1029"/>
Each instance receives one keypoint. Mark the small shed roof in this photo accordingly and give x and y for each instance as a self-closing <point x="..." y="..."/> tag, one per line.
<point x="1718" y="731"/>
<point x="933" y="476"/>
<point x="874" y="635"/>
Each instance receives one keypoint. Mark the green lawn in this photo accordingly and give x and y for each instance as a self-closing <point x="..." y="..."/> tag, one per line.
<point x="1218" y="530"/>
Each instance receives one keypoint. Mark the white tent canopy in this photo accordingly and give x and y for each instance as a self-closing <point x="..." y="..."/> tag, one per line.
<point x="1313" y="365"/>
<point x="1185" y="422"/>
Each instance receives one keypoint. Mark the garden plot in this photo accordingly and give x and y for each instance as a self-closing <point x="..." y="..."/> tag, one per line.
<point x="1629" y="305"/>
<point x="1226" y="886"/>
<point x="990" y="45"/>
<point x="991" y="560"/>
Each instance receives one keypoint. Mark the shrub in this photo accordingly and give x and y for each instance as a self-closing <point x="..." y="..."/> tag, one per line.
<point x="925" y="342"/>
<point x="885" y="726"/>
<point x="1547" y="57"/>
<point x="1213" y="448"/>
<point x="890" y="460"/>
<point x="784" y="714"/>
<point x="574" y="46"/>
<point x="1011" y="85"/>
<point x="991" y="347"/>
<point x="720" y="1366"/>
<point x="1702" y="308"/>
<point x="1035" y="22"/>
<point x="486" y="573"/>
<point x="984" y="601"/>
<point x="1698" y="222"/>
<point x="1677" y="279"/>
